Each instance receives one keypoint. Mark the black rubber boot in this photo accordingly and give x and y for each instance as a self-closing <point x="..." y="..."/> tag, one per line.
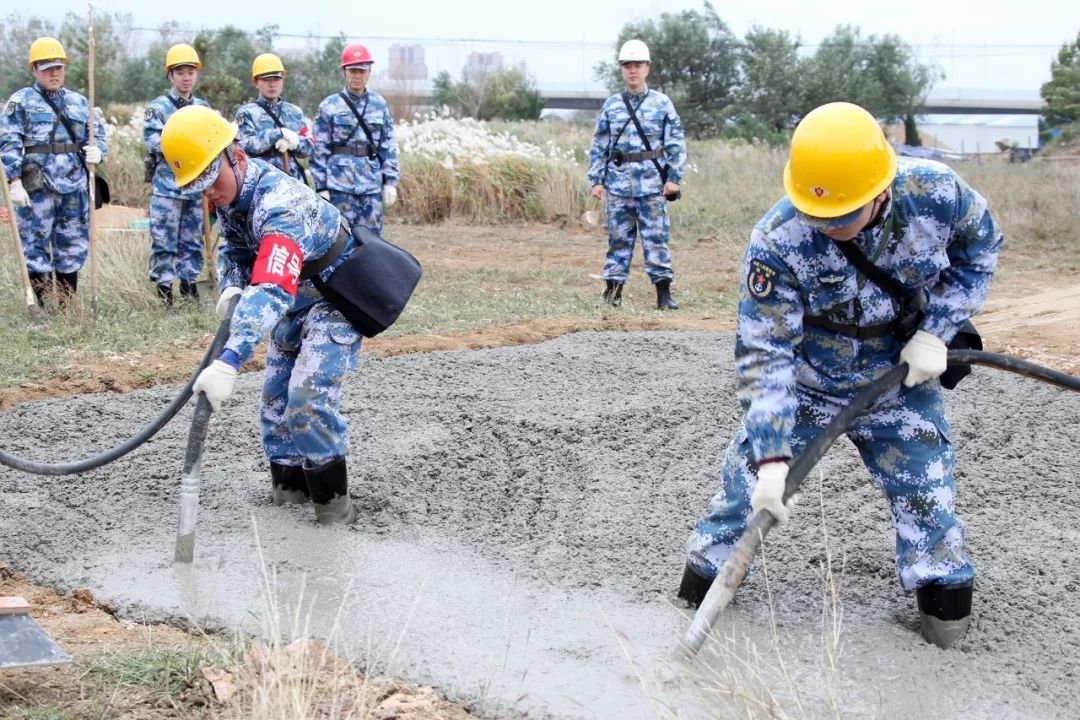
<point x="67" y="284"/>
<point x="290" y="485"/>
<point x="664" y="301"/>
<point x="944" y="612"/>
<point x="693" y="587"/>
<point x="189" y="290"/>
<point x="39" y="283"/>
<point x="612" y="293"/>
<point x="329" y="490"/>
<point x="164" y="291"/>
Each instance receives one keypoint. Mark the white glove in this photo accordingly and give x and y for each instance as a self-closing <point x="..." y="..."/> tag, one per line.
<point x="389" y="195"/>
<point x="19" y="198"/>
<point x="91" y="154"/>
<point x="290" y="137"/>
<point x="325" y="195"/>
<point x="216" y="382"/>
<point x="227" y="294"/>
<point x="926" y="356"/>
<point x="769" y="492"/>
<point x="282" y="145"/>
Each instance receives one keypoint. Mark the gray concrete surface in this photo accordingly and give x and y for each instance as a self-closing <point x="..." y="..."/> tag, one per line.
<point x="523" y="513"/>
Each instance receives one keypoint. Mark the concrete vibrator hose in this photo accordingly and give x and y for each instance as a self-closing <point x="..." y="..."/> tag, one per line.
<point x="148" y="431"/>
<point x="734" y="569"/>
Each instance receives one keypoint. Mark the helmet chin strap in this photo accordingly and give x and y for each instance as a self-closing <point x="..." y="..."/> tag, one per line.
<point x="230" y="155"/>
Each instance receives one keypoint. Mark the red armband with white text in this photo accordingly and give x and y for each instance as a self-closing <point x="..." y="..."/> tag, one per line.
<point x="278" y="262"/>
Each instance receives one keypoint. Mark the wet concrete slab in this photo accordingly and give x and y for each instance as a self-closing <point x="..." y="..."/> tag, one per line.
<point x="523" y="512"/>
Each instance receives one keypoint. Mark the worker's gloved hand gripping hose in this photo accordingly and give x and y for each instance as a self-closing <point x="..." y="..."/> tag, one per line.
<point x="143" y="435"/>
<point x="736" y="566"/>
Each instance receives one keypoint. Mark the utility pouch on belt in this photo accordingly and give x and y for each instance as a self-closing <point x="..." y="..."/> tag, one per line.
<point x="149" y="165"/>
<point x="33" y="179"/>
<point x="373" y="285"/>
<point x="967" y="338"/>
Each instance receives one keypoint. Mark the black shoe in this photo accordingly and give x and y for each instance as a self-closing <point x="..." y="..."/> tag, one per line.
<point x="664" y="301"/>
<point x="189" y="290"/>
<point x="693" y="587"/>
<point x="67" y="284"/>
<point x="944" y="612"/>
<point x="613" y="293"/>
<point x="39" y="283"/>
<point x="329" y="490"/>
<point x="164" y="291"/>
<point x="290" y="485"/>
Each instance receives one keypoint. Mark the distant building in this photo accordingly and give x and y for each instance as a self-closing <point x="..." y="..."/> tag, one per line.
<point x="407" y="63"/>
<point x="479" y="62"/>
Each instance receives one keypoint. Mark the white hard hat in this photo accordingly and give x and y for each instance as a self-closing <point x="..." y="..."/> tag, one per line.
<point x="634" y="51"/>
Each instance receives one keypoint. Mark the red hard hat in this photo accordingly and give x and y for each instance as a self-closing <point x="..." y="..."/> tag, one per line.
<point x="355" y="54"/>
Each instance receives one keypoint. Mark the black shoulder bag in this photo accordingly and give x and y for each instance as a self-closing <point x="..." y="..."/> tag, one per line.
<point x="372" y="149"/>
<point x="966" y="338"/>
<point x="648" y="148"/>
<point x="101" y="186"/>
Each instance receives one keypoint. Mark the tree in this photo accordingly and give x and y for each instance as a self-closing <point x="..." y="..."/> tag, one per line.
<point x="880" y="74"/>
<point x="772" y="86"/>
<point x="506" y="94"/>
<point x="110" y="36"/>
<point x="316" y="75"/>
<point x="226" y="54"/>
<point x="1061" y="94"/>
<point x="695" y="61"/>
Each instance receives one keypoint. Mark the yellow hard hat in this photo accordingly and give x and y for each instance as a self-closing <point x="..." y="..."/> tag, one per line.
<point x="839" y="161"/>
<point x="47" y="48"/>
<point x="193" y="138"/>
<point x="182" y="54"/>
<point x="267" y="64"/>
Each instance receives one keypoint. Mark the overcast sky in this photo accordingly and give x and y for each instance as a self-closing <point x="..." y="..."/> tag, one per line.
<point x="993" y="44"/>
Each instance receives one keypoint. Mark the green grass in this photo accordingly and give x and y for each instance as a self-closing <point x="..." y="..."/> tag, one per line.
<point x="165" y="673"/>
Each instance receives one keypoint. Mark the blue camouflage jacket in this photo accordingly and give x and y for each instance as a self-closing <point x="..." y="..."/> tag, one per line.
<point x="28" y="120"/>
<point x="271" y="206"/>
<point x="935" y="237"/>
<point x="336" y="124"/>
<point x="259" y="132"/>
<point x="157" y="112"/>
<point x="615" y="131"/>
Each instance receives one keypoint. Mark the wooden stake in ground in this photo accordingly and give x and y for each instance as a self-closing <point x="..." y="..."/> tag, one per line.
<point x="91" y="139"/>
<point x="24" y="274"/>
<point x="208" y="245"/>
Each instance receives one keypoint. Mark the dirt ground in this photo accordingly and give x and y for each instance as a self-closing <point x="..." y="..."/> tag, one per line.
<point x="1033" y="314"/>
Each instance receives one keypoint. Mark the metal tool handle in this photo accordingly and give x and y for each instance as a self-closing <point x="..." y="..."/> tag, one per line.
<point x="189" y="482"/>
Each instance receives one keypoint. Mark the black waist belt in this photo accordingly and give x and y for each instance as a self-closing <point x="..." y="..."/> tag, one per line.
<point x="52" y="148"/>
<point x="313" y="268"/>
<point x="859" y="332"/>
<point x="621" y="157"/>
<point x="361" y="150"/>
<point x="266" y="154"/>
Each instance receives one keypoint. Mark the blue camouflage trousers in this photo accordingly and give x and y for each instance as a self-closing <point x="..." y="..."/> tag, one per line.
<point x="363" y="210"/>
<point x="55" y="231"/>
<point x="630" y="216"/>
<point x="903" y="441"/>
<point x="307" y="359"/>
<point x="176" y="241"/>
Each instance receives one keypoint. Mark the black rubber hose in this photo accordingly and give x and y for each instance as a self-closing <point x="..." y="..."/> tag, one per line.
<point x="817" y="448"/>
<point x="148" y="431"/>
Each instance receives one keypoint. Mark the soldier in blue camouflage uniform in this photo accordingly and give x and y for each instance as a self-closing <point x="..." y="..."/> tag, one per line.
<point x="272" y="129"/>
<point x="47" y="170"/>
<point x="176" y="216"/>
<point x="813" y="331"/>
<point x="278" y="234"/>
<point x="636" y="180"/>
<point x="356" y="170"/>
